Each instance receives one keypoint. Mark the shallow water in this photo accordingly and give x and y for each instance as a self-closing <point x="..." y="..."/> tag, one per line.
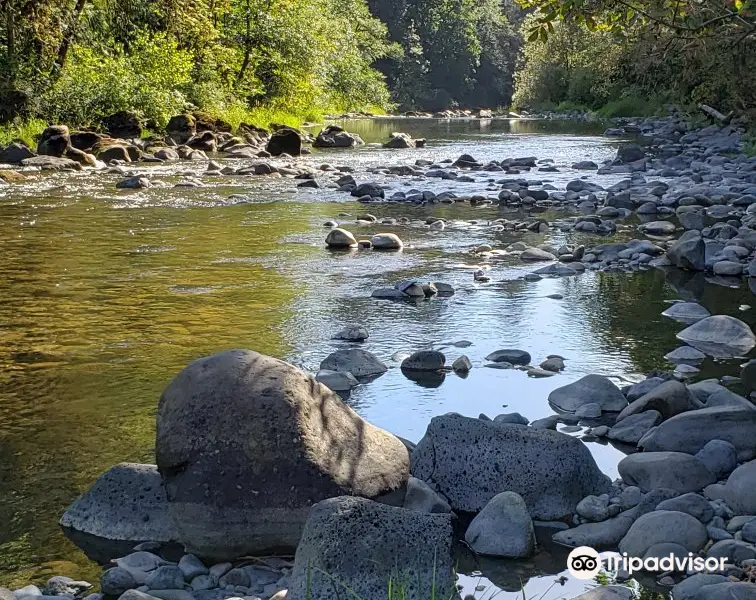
<point x="107" y="294"/>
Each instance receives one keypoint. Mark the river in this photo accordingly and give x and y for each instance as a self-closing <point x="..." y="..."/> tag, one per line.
<point x="107" y="294"/>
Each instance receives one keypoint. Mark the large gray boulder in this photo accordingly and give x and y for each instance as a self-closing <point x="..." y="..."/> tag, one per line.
<point x="664" y="526"/>
<point x="247" y="443"/>
<point x="690" y="431"/>
<point x="355" y="548"/>
<point x="126" y="503"/>
<point x="502" y="528"/>
<point x="719" y="336"/>
<point x="672" y="470"/>
<point x="469" y="461"/>
<point x="591" y="389"/>
<point x="689" y="252"/>
<point x="740" y="489"/>
<point x="668" y="399"/>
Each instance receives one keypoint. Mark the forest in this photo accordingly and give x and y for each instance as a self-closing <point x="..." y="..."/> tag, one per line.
<point x="257" y="61"/>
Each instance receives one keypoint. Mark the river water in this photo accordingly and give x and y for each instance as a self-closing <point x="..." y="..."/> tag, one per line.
<point x="106" y="294"/>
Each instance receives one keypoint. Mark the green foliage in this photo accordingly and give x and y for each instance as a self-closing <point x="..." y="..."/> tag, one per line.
<point x="680" y="50"/>
<point x="24" y="131"/>
<point x="149" y="80"/>
<point x="630" y="106"/>
<point x="454" y="52"/>
<point x="76" y="64"/>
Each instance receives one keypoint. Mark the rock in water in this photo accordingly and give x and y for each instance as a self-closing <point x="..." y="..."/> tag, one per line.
<point x="719" y="336"/>
<point x="686" y="312"/>
<point x="502" y="528"/>
<point x="607" y="592"/>
<point x="400" y="140"/>
<point x="690" y="431"/>
<point x="334" y="136"/>
<point x="386" y="241"/>
<point x="515" y="357"/>
<point x="689" y="252"/>
<point x="285" y="141"/>
<point x="469" y="461"/>
<point x="337" y="381"/>
<point x="359" y="363"/>
<point x="235" y="429"/>
<point x="361" y="546"/>
<point x="352" y="333"/>
<point x="462" y="364"/>
<point x="684" y="355"/>
<point x="127" y="502"/>
<point x="591" y="389"/>
<point x="424" y="360"/>
<point x="676" y="471"/>
<point x="340" y="238"/>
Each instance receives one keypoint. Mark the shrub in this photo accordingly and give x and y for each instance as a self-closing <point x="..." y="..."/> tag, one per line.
<point x="148" y="80"/>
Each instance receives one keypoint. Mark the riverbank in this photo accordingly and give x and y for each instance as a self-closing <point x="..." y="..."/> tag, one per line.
<point x="412" y="225"/>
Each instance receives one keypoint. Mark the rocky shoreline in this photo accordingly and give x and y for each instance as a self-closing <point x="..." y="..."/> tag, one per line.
<point x="257" y="458"/>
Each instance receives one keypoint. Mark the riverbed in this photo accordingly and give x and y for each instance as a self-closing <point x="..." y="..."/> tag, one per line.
<point x="107" y="294"/>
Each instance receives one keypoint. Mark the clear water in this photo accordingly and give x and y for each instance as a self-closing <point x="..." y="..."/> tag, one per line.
<point x="107" y="294"/>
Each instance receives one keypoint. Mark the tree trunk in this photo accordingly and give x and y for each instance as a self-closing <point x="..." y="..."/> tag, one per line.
<point x="715" y="114"/>
<point x="247" y="49"/>
<point x="10" y="26"/>
<point x="65" y="44"/>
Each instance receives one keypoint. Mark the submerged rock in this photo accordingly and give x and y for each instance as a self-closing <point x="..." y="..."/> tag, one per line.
<point x="469" y="461"/>
<point x="363" y="546"/>
<point x="234" y="421"/>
